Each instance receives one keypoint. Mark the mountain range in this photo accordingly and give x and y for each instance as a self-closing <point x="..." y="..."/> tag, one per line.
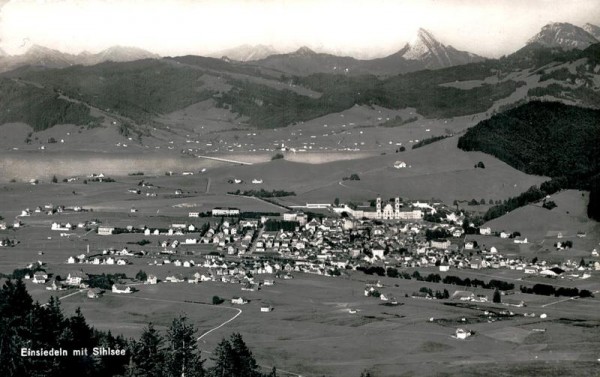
<point x="52" y="88"/>
<point x="43" y="57"/>
<point x="425" y="52"/>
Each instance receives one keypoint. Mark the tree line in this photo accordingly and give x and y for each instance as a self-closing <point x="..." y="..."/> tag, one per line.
<point x="436" y="278"/>
<point x="25" y="324"/>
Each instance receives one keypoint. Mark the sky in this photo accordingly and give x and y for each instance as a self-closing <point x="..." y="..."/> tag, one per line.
<point x="362" y="28"/>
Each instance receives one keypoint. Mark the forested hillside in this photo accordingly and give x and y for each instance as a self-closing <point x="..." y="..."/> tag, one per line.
<point x="544" y="138"/>
<point x="41" y="108"/>
<point x="139" y="90"/>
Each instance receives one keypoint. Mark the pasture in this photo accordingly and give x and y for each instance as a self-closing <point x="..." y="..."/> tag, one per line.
<point x="312" y="332"/>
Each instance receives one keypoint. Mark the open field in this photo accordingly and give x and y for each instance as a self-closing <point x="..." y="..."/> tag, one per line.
<point x="311" y="331"/>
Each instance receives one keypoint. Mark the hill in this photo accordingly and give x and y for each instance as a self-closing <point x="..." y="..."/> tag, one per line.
<point x="39" y="107"/>
<point x="138" y="90"/>
<point x="542" y="138"/>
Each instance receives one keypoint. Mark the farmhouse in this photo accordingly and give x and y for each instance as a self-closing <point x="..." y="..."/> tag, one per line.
<point x="105" y="230"/>
<point x="399" y="164"/>
<point x="151" y="279"/>
<point x="266" y="308"/>
<point x="40" y="277"/>
<point x="520" y="240"/>
<point x="75" y="278"/>
<point x="117" y="288"/>
<point x="485" y="231"/>
<point x="462" y="334"/>
<point x="239" y="301"/>
<point x="463" y="296"/>
<point x="58" y="226"/>
<point x="93" y="293"/>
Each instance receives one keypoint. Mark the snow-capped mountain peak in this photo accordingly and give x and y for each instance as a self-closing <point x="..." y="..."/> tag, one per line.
<point x="423" y="43"/>
<point x="426" y="48"/>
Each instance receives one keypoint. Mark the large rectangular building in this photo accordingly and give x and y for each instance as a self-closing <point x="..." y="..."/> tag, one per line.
<point x="218" y="211"/>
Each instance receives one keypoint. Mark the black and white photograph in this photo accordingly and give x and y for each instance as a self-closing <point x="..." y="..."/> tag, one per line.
<point x="299" y="188"/>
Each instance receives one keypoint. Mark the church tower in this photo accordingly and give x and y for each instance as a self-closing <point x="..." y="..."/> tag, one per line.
<point x="378" y="207"/>
<point x="397" y="207"/>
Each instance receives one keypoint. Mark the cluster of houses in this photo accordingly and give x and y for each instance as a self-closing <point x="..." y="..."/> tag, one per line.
<point x="321" y="246"/>
<point x="50" y="209"/>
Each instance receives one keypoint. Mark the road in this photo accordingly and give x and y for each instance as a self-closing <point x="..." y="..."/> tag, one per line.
<point x="222" y="324"/>
<point x="69" y="295"/>
<point x="225" y="160"/>
<point x="565" y="299"/>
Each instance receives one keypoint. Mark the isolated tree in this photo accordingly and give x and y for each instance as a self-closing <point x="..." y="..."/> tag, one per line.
<point x="54" y="179"/>
<point x="141" y="275"/>
<point x="336" y="201"/>
<point x="183" y="355"/>
<point x="497" y="298"/>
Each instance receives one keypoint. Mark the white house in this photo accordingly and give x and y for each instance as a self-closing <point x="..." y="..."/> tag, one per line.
<point x="105" y="230"/>
<point x="399" y="164"/>
<point x="239" y="301"/>
<point x="120" y="289"/>
<point x="40" y="277"/>
<point x="75" y="278"/>
<point x="462" y="334"/>
<point x="485" y="231"/>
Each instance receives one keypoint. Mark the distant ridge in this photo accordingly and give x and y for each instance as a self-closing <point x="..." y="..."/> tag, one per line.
<point x="425" y="53"/>
<point x="564" y="35"/>
<point x="43" y="57"/>
<point x="246" y="53"/>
